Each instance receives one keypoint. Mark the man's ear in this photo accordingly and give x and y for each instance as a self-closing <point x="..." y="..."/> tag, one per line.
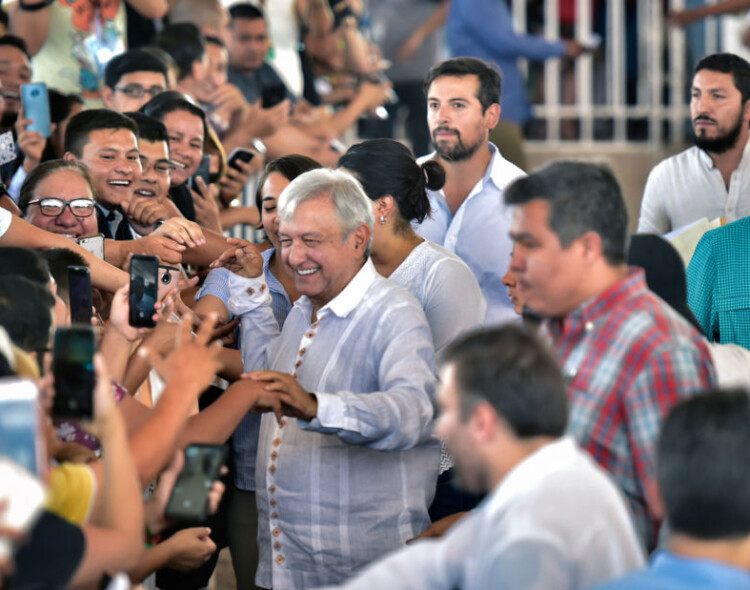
<point x="492" y="115"/>
<point x="107" y="93"/>
<point x="485" y="422"/>
<point x="361" y="237"/>
<point x="69" y="156"/>
<point x="591" y="243"/>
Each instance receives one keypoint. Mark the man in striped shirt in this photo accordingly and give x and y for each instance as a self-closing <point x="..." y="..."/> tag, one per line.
<point x="627" y="356"/>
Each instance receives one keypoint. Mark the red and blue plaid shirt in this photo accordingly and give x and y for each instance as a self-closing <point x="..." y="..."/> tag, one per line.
<point x="628" y="358"/>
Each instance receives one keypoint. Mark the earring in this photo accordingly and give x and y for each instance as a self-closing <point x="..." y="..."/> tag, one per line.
<point x="383" y="219"/>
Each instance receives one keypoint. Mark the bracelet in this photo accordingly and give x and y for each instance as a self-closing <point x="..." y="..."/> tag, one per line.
<point x="34" y="7"/>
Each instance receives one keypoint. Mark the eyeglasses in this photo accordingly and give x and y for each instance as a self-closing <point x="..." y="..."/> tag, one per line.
<point x="54" y="207"/>
<point x="161" y="167"/>
<point x="138" y="91"/>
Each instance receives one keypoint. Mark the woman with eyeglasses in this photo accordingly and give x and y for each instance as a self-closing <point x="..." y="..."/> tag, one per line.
<point x="57" y="197"/>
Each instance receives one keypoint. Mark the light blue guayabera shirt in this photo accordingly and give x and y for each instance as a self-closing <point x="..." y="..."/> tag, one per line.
<point x="355" y="482"/>
<point x="479" y="232"/>
<point x="245" y="438"/>
<point x="671" y="572"/>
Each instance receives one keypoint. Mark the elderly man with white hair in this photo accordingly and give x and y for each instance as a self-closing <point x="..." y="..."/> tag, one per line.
<point x="349" y="474"/>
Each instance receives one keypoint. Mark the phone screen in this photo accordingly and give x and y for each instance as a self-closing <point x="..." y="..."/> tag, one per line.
<point x="204" y="171"/>
<point x="144" y="274"/>
<point x="73" y="367"/>
<point x="189" y="499"/>
<point x="20" y="440"/>
<point x="239" y="154"/>
<point x="35" y="101"/>
<point x="79" y="289"/>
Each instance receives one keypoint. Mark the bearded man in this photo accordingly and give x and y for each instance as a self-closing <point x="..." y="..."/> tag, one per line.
<point x="712" y="178"/>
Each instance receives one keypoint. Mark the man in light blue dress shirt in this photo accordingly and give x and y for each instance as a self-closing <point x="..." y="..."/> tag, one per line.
<point x="704" y="478"/>
<point x="469" y="217"/>
<point x="349" y="474"/>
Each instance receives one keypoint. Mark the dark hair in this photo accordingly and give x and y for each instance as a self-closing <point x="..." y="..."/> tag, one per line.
<point x="61" y="103"/>
<point x="215" y="41"/>
<point x="387" y="167"/>
<point x="25" y="263"/>
<point x="83" y="123"/>
<point x="515" y="373"/>
<point x="290" y="167"/>
<point x="728" y="63"/>
<point x="490" y="79"/>
<point x="149" y="128"/>
<point x="4" y="20"/>
<point x="703" y="466"/>
<point x="23" y="304"/>
<point x="42" y="171"/>
<point x="58" y="260"/>
<point x="135" y="60"/>
<point x="185" y="43"/>
<point x="14" y="41"/>
<point x="161" y="55"/>
<point x="245" y="10"/>
<point x="170" y="101"/>
<point x="582" y="197"/>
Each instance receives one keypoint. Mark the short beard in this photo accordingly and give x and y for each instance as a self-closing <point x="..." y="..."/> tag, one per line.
<point x="720" y="143"/>
<point x="458" y="152"/>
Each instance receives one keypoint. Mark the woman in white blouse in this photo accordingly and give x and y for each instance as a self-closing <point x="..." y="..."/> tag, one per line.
<point x="440" y="280"/>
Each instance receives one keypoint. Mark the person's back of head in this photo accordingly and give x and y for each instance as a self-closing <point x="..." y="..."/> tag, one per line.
<point x="582" y="197"/>
<point x="490" y="79"/>
<point x="134" y="60"/>
<point x="387" y="167"/>
<point x="728" y="63"/>
<point x="511" y="370"/>
<point x="703" y="467"/>
<point x="290" y="167"/>
<point x="82" y="124"/>
<point x="185" y="43"/>
<point x="26" y="312"/>
<point x="23" y="262"/>
<point x="149" y="128"/>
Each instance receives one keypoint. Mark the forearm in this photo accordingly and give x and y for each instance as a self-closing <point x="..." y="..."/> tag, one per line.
<point x="204" y="255"/>
<point x="150" y="8"/>
<point x="32" y="27"/>
<point x="115" y="349"/>
<point x="317" y="15"/>
<point x="239" y="215"/>
<point x="135" y="373"/>
<point x="231" y="361"/>
<point x="151" y="560"/>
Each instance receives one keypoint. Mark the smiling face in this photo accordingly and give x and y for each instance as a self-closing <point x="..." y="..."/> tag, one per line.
<point x="322" y="260"/>
<point x="273" y="186"/>
<point x="455" y="118"/>
<point x="719" y="117"/>
<point x="112" y="159"/>
<point x="123" y="97"/>
<point x="155" y="175"/>
<point x="218" y="62"/>
<point x="66" y="185"/>
<point x="15" y="69"/>
<point x="185" y="143"/>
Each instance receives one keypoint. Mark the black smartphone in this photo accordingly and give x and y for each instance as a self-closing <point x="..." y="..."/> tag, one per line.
<point x="73" y="367"/>
<point x="189" y="499"/>
<point x="239" y="154"/>
<point x="204" y="172"/>
<point x="35" y="100"/>
<point x="79" y="290"/>
<point x="273" y="95"/>
<point x="144" y="289"/>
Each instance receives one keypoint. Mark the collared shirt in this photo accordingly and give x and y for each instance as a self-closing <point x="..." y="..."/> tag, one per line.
<point x="355" y="482"/>
<point x="688" y="187"/>
<point x="555" y="521"/>
<point x="672" y="572"/>
<point x="245" y="437"/>
<point x="718" y="277"/>
<point x="628" y="358"/>
<point x="479" y="232"/>
<point x="484" y="29"/>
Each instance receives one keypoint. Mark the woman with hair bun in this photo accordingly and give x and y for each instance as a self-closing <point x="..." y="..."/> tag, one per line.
<point x="440" y="280"/>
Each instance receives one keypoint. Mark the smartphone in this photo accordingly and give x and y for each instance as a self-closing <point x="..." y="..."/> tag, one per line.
<point x="144" y="290"/>
<point x="189" y="499"/>
<point x="79" y="290"/>
<point x="273" y="95"/>
<point x="239" y="154"/>
<point x="94" y="244"/>
<point x="35" y="102"/>
<point x="73" y="367"/>
<point x="21" y="438"/>
<point x="169" y="276"/>
<point x="21" y="498"/>
<point x="204" y="172"/>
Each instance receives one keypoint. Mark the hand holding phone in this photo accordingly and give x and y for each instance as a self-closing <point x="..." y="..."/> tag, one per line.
<point x="204" y="172"/>
<point x="144" y="276"/>
<point x="189" y="499"/>
<point x="75" y="379"/>
<point x="35" y="101"/>
<point x="79" y="289"/>
<point x="239" y="154"/>
<point x="93" y="244"/>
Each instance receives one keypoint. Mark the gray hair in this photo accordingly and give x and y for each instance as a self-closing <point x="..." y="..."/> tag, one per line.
<point x="350" y="202"/>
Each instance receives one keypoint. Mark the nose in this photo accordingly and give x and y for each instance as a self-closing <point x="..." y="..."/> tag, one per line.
<point x="509" y="280"/>
<point x="66" y="218"/>
<point x="295" y="253"/>
<point x="517" y="264"/>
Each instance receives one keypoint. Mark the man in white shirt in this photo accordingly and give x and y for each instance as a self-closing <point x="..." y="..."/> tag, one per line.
<point x="352" y="476"/>
<point x="712" y="178"/>
<point x="469" y="217"/>
<point x="552" y="520"/>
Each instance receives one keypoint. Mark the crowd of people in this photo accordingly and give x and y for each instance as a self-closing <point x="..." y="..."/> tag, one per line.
<point x="436" y="370"/>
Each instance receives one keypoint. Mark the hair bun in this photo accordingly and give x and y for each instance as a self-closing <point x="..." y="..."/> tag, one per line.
<point x="434" y="175"/>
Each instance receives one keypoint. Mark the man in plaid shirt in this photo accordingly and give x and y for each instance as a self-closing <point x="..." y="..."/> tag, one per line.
<point x="627" y="356"/>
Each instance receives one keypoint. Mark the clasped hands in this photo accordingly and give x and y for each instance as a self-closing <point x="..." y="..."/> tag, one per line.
<point x="281" y="394"/>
